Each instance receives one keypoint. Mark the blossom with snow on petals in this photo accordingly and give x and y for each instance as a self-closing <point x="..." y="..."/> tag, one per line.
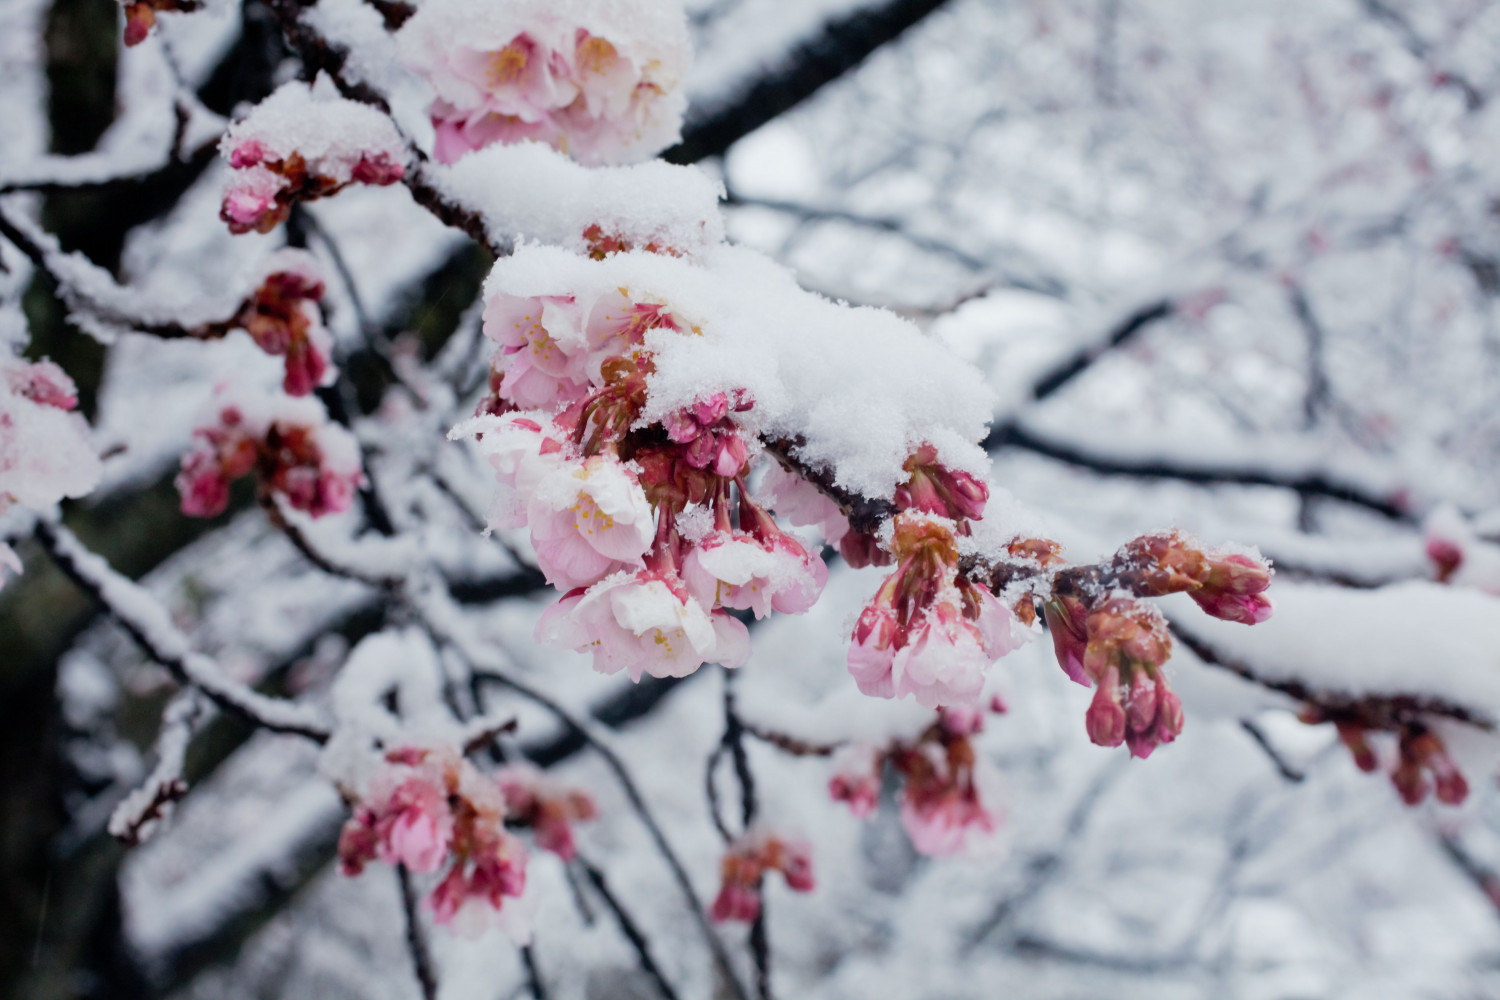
<point x="599" y="82"/>
<point x="743" y="869"/>
<point x="45" y="454"/>
<point x="643" y="623"/>
<point x="303" y="143"/>
<point x="589" y="519"/>
<point x="856" y="777"/>
<point x="542" y="352"/>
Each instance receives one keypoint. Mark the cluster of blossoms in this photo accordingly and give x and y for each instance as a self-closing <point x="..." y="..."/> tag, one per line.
<point x="598" y="82"/>
<point x="140" y="15"/>
<point x="283" y="318"/>
<point x="430" y="807"/>
<point x="928" y="631"/>
<point x="302" y="143"/>
<point x="649" y="530"/>
<point x="289" y="443"/>
<point x="549" y="810"/>
<point x="742" y="872"/>
<point x="949" y="793"/>
<point x="1105" y="636"/>
<point x="45" y="453"/>
<point x="1422" y="763"/>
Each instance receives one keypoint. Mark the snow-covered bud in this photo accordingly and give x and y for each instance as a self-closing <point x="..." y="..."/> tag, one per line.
<point x="602" y="244"/>
<point x="45" y="453"/>
<point x="302" y="143"/>
<point x="550" y="810"/>
<point x="599" y="82"/>
<point x="710" y="440"/>
<point x="936" y="489"/>
<point x="743" y="868"/>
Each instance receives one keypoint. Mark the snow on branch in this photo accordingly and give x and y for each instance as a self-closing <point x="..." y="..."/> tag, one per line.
<point x="151" y="627"/>
<point x="137" y="815"/>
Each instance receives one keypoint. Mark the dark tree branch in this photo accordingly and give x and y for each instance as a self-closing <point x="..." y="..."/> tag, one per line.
<point x="152" y="629"/>
<point x="1285" y="769"/>
<point x="628" y="927"/>
<point x="416" y="938"/>
<point x="1013" y="435"/>
<point x="1388" y="711"/>
<point x="841" y="46"/>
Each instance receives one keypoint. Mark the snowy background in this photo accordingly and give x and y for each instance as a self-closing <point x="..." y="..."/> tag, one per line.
<point x="1289" y="207"/>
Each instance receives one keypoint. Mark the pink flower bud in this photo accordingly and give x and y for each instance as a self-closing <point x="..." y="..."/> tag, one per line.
<point x="1105" y="719"/>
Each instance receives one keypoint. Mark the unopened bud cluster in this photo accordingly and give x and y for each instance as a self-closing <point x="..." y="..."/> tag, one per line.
<point x="743" y="869"/>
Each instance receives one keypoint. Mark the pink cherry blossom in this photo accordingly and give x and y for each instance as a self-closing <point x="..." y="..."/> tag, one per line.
<point x="737" y="570"/>
<point x="803" y="504"/>
<point x="542" y="352"/>
<point x="523" y="451"/>
<point x="312" y="463"/>
<point x="743" y="868"/>
<point x="252" y="200"/>
<point x="589" y="519"/>
<point x="45" y="453"/>
<point x="617" y="324"/>
<point x="603" y="88"/>
<point x="550" y="810"/>
<point x="856" y="777"/>
<point x="643" y="623"/>
<point x="926" y="632"/>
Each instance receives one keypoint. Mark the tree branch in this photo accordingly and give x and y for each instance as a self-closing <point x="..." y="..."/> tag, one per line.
<point x="151" y="627"/>
<point x="841" y="46"/>
<point x="416" y="938"/>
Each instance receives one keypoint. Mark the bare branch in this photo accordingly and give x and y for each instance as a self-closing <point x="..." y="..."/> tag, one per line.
<point x="416" y="937"/>
<point x="841" y="46"/>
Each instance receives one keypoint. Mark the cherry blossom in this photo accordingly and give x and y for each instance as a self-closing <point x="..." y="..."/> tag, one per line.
<point x="45" y="454"/>
<point x="600" y="83"/>
<point x="927" y="632"/>
<point x="542" y="352"/>
<point x="644" y="622"/>
<point x="283" y="318"/>
<point x="743" y="869"/>
<point x="588" y="520"/>
<point x="289" y="443"/>
<point x="303" y="143"/>
<point x="426" y="807"/>
<point x="550" y="810"/>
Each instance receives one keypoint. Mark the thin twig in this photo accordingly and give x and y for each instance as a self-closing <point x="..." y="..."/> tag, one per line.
<point x="1283" y="767"/>
<point x="628" y="927"/>
<point x="416" y="937"/>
